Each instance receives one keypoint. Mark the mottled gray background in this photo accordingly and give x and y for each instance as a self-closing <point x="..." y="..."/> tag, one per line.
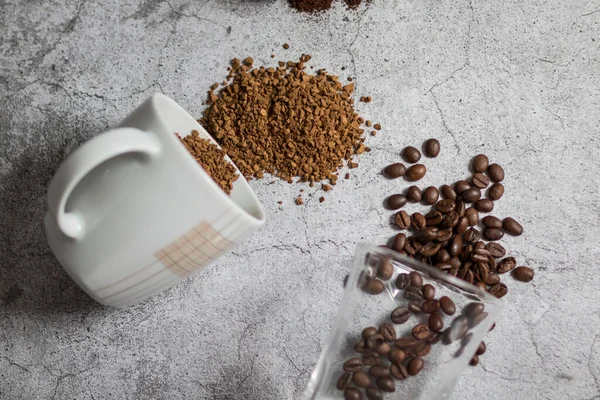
<point x="516" y="79"/>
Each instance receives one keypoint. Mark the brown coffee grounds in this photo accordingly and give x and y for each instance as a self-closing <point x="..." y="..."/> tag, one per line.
<point x="285" y="121"/>
<point x="320" y="5"/>
<point x="212" y="160"/>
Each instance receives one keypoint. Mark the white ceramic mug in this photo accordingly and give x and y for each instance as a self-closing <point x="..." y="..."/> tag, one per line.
<point x="131" y="212"/>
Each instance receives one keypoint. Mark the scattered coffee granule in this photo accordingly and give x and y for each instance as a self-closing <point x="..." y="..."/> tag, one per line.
<point x="212" y="159"/>
<point x="347" y="176"/>
<point x="366" y="99"/>
<point x="321" y="199"/>
<point x="280" y="202"/>
<point x="377" y="127"/>
<point x="285" y="121"/>
<point x="299" y="201"/>
<point x="286" y="46"/>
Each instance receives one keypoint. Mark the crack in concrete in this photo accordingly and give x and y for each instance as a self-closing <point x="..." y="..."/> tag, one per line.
<point x="249" y="374"/>
<point x="352" y="55"/>
<point x="243" y="336"/>
<point x="291" y="362"/>
<point x="594" y="376"/>
<point x="504" y="378"/>
<point x="11" y="362"/>
<point x="591" y="13"/>
<point x="20" y="89"/>
<point x="181" y="14"/>
<point x="444" y="123"/>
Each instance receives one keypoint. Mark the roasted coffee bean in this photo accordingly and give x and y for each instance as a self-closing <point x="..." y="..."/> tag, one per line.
<point x="383" y="348"/>
<point x="413" y="194"/>
<point x="415" y="172"/>
<point x="483" y="271"/>
<point x="374" y="286"/>
<point x="495" y="172"/>
<point x="430" y="195"/>
<point x="352" y="394"/>
<point x="484" y="205"/>
<point x="480" y="253"/>
<point x="460" y="208"/>
<point x="399" y="371"/>
<point x="344" y="381"/>
<point x="459" y="328"/>
<point x="398" y="242"/>
<point x="481" y="349"/>
<point x="435" y="322"/>
<point x="496" y="191"/>
<point x="414" y="307"/>
<point x="492" y="327"/>
<point x="490" y="221"/>
<point x="387" y="331"/>
<point x="433" y="218"/>
<point x="411" y="154"/>
<point x="445" y="206"/>
<point x="461" y="186"/>
<point x="455" y="263"/>
<point x="435" y="337"/>
<point x="493" y="233"/>
<point x="420" y="332"/>
<point x="397" y="355"/>
<point x="491" y="261"/>
<point x="523" y="274"/>
<point x="396" y="201"/>
<point x="447" y="305"/>
<point x="361" y="379"/>
<point x="415" y="366"/>
<point x="374" y="341"/>
<point x="492" y="279"/>
<point x="386" y="384"/>
<point x="418" y="221"/>
<point x="406" y="343"/>
<point x="471" y="195"/>
<point x="426" y="235"/>
<point x="402" y="219"/>
<point x="474" y="360"/>
<point x="512" y="227"/>
<point x="472" y="216"/>
<point x="507" y="264"/>
<point x="480" y="245"/>
<point x="442" y="256"/>
<point x="477" y="319"/>
<point x="462" y="226"/>
<point x="480" y="181"/>
<point x="402" y="281"/>
<point x="431" y="148"/>
<point x="430" y="306"/>
<point x="480" y="163"/>
<point x="374" y="394"/>
<point x="428" y="291"/>
<point x="353" y="365"/>
<point x="400" y="315"/>
<point x="447" y="192"/>
<point x="465" y="253"/>
<point x="416" y="279"/>
<point x="443" y="266"/>
<point x="499" y="290"/>
<point x="455" y="245"/>
<point x="379" y="371"/>
<point x="472" y="235"/>
<point x="449" y="220"/>
<point x="386" y="270"/>
<point x="394" y="171"/>
<point x="371" y="358"/>
<point x="473" y="308"/>
<point x="481" y="285"/>
<point x="360" y="347"/>
<point x="411" y="246"/>
<point x="430" y="249"/>
<point x="413" y="293"/>
<point x="423" y="349"/>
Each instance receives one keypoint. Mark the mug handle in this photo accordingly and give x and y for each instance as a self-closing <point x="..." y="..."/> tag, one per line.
<point x="82" y="161"/>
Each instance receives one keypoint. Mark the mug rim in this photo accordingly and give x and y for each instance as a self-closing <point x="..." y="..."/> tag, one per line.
<point x="158" y="98"/>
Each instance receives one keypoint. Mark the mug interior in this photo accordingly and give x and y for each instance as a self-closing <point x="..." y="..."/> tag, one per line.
<point x="176" y="119"/>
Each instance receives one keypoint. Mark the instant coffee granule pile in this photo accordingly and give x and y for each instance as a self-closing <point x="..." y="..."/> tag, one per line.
<point x="285" y="121"/>
<point x="212" y="159"/>
<point x="320" y="5"/>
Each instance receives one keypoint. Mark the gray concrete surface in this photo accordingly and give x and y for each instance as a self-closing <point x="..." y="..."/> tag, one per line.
<point x="518" y="80"/>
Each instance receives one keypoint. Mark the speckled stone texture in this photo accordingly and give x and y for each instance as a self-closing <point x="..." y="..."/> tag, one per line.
<point x="518" y="80"/>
